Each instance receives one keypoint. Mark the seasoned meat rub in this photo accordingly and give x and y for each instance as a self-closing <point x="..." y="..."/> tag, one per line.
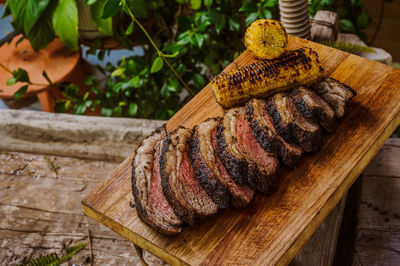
<point x="291" y="125"/>
<point x="179" y="182"/>
<point x="267" y="136"/>
<point x="210" y="171"/>
<point x="314" y="108"/>
<point x="151" y="205"/>
<point x="335" y="93"/>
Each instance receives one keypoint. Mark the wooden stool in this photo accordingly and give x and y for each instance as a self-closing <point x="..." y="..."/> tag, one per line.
<point x="59" y="63"/>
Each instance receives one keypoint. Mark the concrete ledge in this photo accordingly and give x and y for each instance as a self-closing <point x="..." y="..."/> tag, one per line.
<point x="89" y="137"/>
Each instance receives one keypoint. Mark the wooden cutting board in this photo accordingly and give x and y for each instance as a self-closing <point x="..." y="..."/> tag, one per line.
<point x="273" y="228"/>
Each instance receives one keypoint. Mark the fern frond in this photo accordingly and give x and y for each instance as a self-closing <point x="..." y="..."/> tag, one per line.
<point x="53" y="259"/>
<point x="348" y="47"/>
<point x="71" y="251"/>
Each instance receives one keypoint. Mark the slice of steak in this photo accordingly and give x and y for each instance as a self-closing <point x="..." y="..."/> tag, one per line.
<point x="232" y="159"/>
<point x="267" y="136"/>
<point x="291" y="125"/>
<point x="262" y="165"/>
<point x="151" y="205"/>
<point x="210" y="171"/>
<point x="335" y="93"/>
<point x="204" y="164"/>
<point x="314" y="108"/>
<point x="179" y="182"/>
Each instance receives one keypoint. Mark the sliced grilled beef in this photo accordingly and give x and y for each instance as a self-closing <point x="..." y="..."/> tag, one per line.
<point x="314" y="108"/>
<point x="267" y="136"/>
<point x="151" y="205"/>
<point x="291" y="125"/>
<point x="262" y="165"/>
<point x="179" y="182"/>
<point x="204" y="165"/>
<point x="209" y="170"/>
<point x="335" y="93"/>
<point x="232" y="159"/>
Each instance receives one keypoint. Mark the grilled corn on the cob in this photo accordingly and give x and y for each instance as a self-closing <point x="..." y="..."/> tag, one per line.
<point x="266" y="38"/>
<point x="263" y="78"/>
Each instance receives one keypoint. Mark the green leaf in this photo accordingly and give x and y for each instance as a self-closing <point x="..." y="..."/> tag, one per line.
<point x="362" y="21"/>
<point x="26" y="12"/>
<point x="248" y="7"/>
<point x="157" y="65"/>
<point x="208" y="3"/>
<point x="117" y="110"/>
<point x="346" y="25"/>
<point x="44" y="74"/>
<point x="195" y="4"/>
<point x="11" y="81"/>
<point x="234" y="25"/>
<point x="37" y="7"/>
<point x="90" y="80"/>
<point x="220" y="24"/>
<point x="198" y="80"/>
<point x="267" y="13"/>
<point x="20" y="92"/>
<point x="130" y="28"/>
<point x="138" y="8"/>
<point x="133" y="109"/>
<point x="104" y="25"/>
<point x="270" y="3"/>
<point x="106" y="111"/>
<point x="184" y="38"/>
<point x="80" y="109"/>
<point x="135" y="81"/>
<point x="118" y="72"/>
<point x="65" y="23"/>
<point x="111" y="8"/>
<point x="199" y="39"/>
<point x="251" y="18"/>
<point x="21" y="75"/>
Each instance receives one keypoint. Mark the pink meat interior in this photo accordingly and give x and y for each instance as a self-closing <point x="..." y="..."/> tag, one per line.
<point x="157" y="197"/>
<point x="243" y="192"/>
<point x="249" y="146"/>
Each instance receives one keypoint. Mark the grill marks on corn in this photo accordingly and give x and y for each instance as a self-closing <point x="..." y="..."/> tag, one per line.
<point x="263" y="78"/>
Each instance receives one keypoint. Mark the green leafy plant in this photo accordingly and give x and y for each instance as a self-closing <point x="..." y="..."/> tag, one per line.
<point x="53" y="259"/>
<point x="40" y="20"/>
<point x="184" y="44"/>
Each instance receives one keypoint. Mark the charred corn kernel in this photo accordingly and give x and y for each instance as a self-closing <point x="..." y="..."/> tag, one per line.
<point x="266" y="38"/>
<point x="263" y="78"/>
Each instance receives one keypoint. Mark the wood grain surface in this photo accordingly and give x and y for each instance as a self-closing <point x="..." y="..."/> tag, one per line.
<point x="273" y="228"/>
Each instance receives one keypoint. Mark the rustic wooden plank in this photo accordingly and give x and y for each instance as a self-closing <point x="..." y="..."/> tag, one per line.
<point x="320" y="248"/>
<point x="273" y="228"/>
<point x="378" y="230"/>
<point x="40" y="211"/>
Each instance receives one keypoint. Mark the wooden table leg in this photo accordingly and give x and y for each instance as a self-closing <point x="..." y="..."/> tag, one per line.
<point x="139" y="252"/>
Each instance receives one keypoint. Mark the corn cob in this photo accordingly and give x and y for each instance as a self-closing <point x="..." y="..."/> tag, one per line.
<point x="266" y="38"/>
<point x="263" y="78"/>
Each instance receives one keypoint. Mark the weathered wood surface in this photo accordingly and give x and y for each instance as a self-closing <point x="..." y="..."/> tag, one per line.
<point x="272" y="229"/>
<point x="40" y="211"/>
<point x="378" y="230"/>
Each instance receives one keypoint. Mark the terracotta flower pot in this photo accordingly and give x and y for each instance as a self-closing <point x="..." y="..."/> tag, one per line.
<point x="60" y="64"/>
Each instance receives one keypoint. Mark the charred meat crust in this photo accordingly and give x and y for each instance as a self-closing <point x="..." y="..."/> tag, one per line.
<point x="236" y="168"/>
<point x="320" y="112"/>
<point x="283" y="130"/>
<point x="142" y="213"/>
<point x="188" y="216"/>
<point x="292" y="132"/>
<point x="205" y="176"/>
<point x="270" y="144"/>
<point x="290" y="154"/>
<point x="350" y="89"/>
